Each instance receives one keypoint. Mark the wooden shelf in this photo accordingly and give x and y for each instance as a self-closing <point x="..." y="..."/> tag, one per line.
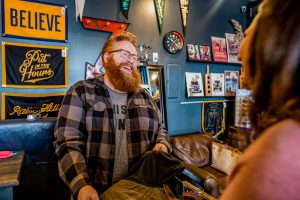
<point x="214" y="62"/>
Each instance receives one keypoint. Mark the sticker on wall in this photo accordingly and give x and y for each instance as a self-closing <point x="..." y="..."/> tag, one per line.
<point x="184" y="9"/>
<point x="34" y="66"/>
<point x="19" y="105"/>
<point x="213" y="117"/>
<point x="104" y="25"/>
<point x="35" y="20"/>
<point x="93" y="70"/>
<point x="125" y="4"/>
<point x="159" y="8"/>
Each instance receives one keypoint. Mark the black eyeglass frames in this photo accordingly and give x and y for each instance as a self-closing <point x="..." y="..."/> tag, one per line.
<point x="125" y="54"/>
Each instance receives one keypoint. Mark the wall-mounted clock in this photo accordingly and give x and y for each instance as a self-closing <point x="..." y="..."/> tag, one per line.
<point x="173" y="42"/>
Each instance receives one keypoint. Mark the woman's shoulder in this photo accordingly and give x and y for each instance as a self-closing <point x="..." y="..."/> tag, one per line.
<point x="271" y="162"/>
<point x="286" y="128"/>
<point x="280" y="137"/>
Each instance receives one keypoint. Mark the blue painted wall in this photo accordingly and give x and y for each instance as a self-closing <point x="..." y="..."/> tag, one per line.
<point x="206" y="18"/>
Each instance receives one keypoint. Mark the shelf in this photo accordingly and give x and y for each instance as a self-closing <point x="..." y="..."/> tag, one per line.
<point x="214" y="62"/>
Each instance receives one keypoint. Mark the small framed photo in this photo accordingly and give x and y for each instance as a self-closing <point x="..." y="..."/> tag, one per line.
<point x="217" y="84"/>
<point x="194" y="84"/>
<point x="193" y="52"/>
<point x="233" y="46"/>
<point x="219" y="49"/>
<point x="231" y="82"/>
<point x="205" y="54"/>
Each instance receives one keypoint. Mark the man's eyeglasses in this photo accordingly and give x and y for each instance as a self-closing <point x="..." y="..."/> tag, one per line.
<point x="125" y="54"/>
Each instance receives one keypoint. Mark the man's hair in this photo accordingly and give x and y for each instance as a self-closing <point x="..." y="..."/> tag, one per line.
<point x="123" y="36"/>
<point x="275" y="63"/>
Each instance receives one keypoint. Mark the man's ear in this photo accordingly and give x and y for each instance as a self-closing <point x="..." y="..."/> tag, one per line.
<point x="105" y="57"/>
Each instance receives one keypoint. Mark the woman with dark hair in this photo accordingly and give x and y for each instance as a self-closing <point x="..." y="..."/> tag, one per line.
<point x="270" y="53"/>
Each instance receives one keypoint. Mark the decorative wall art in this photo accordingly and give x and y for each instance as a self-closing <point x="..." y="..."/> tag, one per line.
<point x="231" y="82"/>
<point x="217" y="84"/>
<point x="91" y="71"/>
<point x="159" y="8"/>
<point x="34" y="66"/>
<point x="219" y="49"/>
<point x="184" y="9"/>
<point x="104" y="25"/>
<point x="17" y="106"/>
<point x="193" y="52"/>
<point x="79" y="7"/>
<point x="233" y="46"/>
<point x="205" y="54"/>
<point x="214" y="84"/>
<point x="194" y="84"/>
<point x="125" y="4"/>
<point x="34" y="20"/>
<point x="213" y="117"/>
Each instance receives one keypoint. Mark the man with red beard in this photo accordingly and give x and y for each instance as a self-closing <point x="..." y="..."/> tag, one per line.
<point x="106" y="123"/>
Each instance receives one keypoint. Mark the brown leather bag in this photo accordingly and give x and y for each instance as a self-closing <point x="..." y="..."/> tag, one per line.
<point x="193" y="149"/>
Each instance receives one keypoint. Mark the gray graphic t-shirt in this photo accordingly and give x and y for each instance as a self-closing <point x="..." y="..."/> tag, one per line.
<point x="119" y="103"/>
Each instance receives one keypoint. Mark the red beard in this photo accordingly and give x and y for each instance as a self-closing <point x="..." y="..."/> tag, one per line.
<point x="120" y="80"/>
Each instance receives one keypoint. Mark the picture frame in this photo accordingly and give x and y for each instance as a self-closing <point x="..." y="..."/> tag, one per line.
<point x="233" y="46"/>
<point x="193" y="52"/>
<point x="217" y="84"/>
<point x="219" y="49"/>
<point x="231" y="82"/>
<point x="205" y="53"/>
<point x="194" y="84"/>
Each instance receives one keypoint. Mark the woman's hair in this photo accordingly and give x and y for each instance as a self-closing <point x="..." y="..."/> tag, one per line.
<point x="123" y="36"/>
<point x="275" y="63"/>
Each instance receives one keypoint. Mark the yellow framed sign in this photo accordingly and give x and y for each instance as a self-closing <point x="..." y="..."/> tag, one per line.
<point x="35" y="20"/>
<point x="34" y="66"/>
<point x="19" y="105"/>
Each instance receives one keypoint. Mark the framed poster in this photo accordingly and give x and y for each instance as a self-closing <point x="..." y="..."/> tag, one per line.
<point x="34" y="66"/>
<point x="219" y="49"/>
<point x="205" y="54"/>
<point x="231" y="82"/>
<point x="233" y="46"/>
<point x="193" y="52"/>
<point x="19" y="105"/>
<point x="35" y="20"/>
<point x="217" y="84"/>
<point x="194" y="84"/>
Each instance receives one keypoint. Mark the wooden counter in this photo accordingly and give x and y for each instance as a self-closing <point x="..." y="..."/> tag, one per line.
<point x="10" y="172"/>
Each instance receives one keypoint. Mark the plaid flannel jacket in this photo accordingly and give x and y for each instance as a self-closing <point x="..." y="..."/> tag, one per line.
<point x="84" y="132"/>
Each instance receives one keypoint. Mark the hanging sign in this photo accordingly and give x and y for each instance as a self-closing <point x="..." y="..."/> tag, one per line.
<point x="184" y="9"/>
<point x="125" y="4"/>
<point x="34" y="66"/>
<point x="18" y="106"/>
<point x="213" y="117"/>
<point x="79" y="7"/>
<point x="160" y="7"/>
<point x="34" y="20"/>
<point x="104" y="25"/>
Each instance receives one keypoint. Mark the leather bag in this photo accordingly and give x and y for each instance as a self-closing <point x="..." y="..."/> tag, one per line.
<point x="191" y="149"/>
<point x="224" y="157"/>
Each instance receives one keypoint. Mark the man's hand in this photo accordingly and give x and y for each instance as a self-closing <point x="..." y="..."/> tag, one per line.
<point x="87" y="192"/>
<point x="160" y="147"/>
